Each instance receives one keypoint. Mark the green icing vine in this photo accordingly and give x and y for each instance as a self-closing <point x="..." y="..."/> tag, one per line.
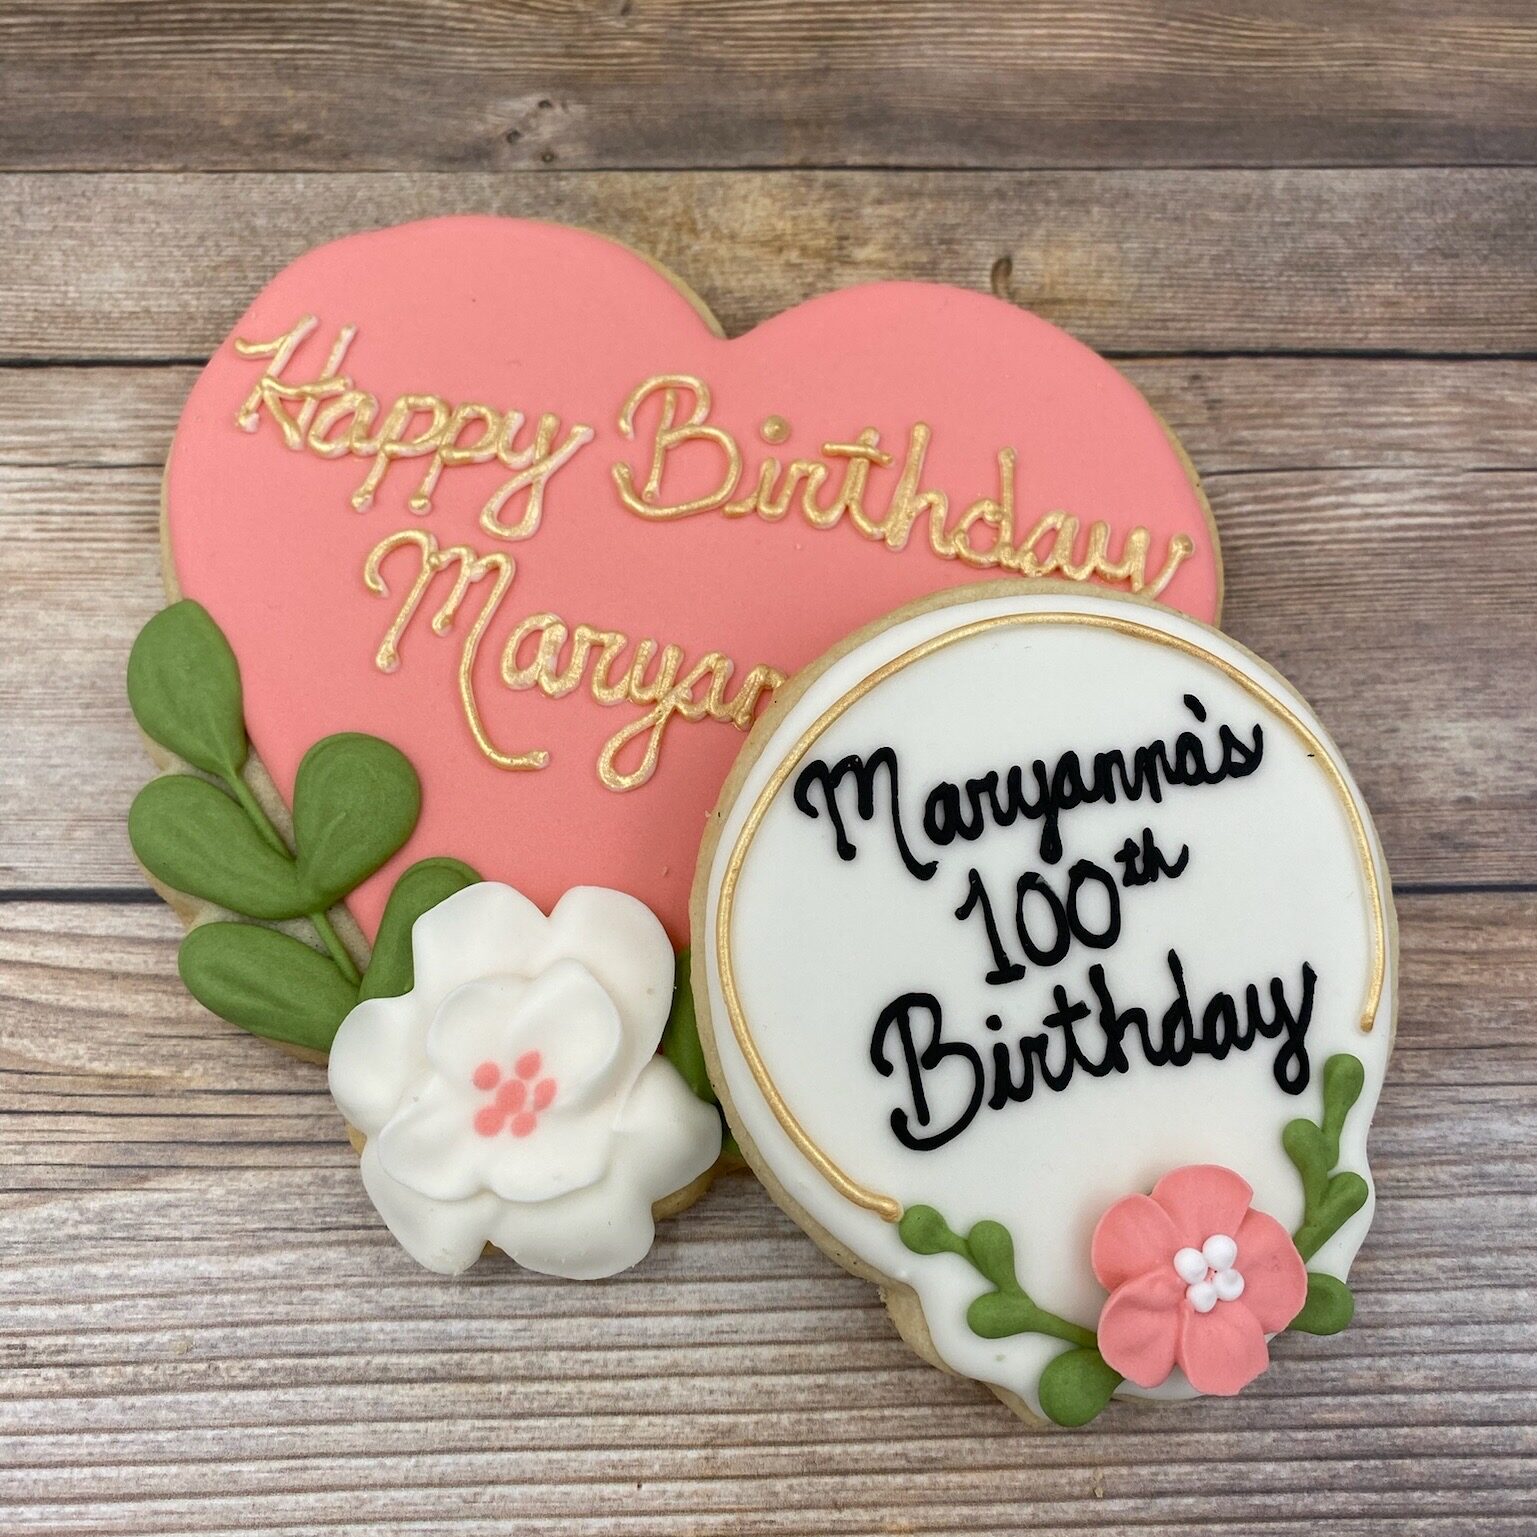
<point x="989" y="1250"/>
<point x="1330" y="1197"/>
<point x="356" y="801"/>
<point x="1077" y="1384"/>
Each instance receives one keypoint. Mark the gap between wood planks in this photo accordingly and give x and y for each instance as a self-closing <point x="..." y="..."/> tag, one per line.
<point x="665" y="84"/>
<point x="1114" y="355"/>
<point x="1133" y="262"/>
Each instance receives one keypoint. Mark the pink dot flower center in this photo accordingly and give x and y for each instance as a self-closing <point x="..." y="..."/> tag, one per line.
<point x="1210" y="1273"/>
<point x="516" y="1099"/>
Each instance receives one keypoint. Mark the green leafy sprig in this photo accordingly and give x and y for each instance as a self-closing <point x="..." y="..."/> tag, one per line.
<point x="1007" y="1309"/>
<point x="1075" y="1385"/>
<point x="356" y="801"/>
<point x="1330" y="1197"/>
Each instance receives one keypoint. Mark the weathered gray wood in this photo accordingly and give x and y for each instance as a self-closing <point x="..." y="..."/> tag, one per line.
<point x="1378" y="592"/>
<point x="1231" y="413"/>
<point x="203" y="1327"/>
<point x="673" y="83"/>
<point x="1420" y="261"/>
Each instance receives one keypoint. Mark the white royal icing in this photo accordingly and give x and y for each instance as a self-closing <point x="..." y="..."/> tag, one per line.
<point x="514" y="1096"/>
<point x="821" y="945"/>
<point x="1210" y="1273"/>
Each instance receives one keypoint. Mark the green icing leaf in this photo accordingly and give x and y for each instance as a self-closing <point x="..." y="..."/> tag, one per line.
<point x="419" y="889"/>
<point x="356" y="800"/>
<point x="1329" y="1200"/>
<point x="1344" y="1195"/>
<point x="265" y="982"/>
<point x="1076" y="1386"/>
<point x="680" y="1045"/>
<point x="184" y="689"/>
<point x="992" y="1252"/>
<point x="680" y="1038"/>
<point x="924" y="1231"/>
<point x="1328" y="1309"/>
<point x="997" y="1315"/>
<point x="1344" y="1078"/>
<point x="196" y="839"/>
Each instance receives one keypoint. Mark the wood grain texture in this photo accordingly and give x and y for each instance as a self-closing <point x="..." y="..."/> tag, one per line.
<point x="1308" y="232"/>
<point x="1415" y="261"/>
<point x="1233" y="414"/>
<point x="204" y="1329"/>
<point x="461" y="84"/>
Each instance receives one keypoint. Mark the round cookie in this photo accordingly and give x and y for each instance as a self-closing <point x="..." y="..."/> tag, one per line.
<point x="1044" y="956"/>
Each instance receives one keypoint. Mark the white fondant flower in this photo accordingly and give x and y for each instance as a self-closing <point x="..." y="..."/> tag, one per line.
<point x="514" y="1095"/>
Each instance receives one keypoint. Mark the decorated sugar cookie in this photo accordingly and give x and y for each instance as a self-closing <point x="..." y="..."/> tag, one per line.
<point x="489" y="549"/>
<point x="499" y="493"/>
<point x="1044" y="954"/>
<point x="514" y="1096"/>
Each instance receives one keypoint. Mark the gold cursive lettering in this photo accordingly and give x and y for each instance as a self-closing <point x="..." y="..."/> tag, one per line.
<point x="416" y="426"/>
<point x="982" y="535"/>
<point x="472" y="568"/>
<point x="562" y="657"/>
<point x="668" y="437"/>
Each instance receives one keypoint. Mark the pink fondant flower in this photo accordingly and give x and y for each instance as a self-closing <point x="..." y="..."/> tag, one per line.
<point x="1196" y="1279"/>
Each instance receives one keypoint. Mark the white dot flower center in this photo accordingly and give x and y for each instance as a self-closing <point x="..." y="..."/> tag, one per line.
<point x="1210" y="1273"/>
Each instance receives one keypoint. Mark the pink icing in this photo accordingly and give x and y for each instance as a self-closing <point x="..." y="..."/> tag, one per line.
<point x="545" y="318"/>
<point x="511" y="1105"/>
<point x="1150" y="1325"/>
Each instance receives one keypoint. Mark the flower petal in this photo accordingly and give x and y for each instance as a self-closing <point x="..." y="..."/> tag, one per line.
<point x="668" y="1136"/>
<point x="563" y="1015"/>
<point x="1222" y="1351"/>
<point x="576" y="1027"/>
<point x="472" y="1025"/>
<point x="1139" y="1326"/>
<point x="597" y="1231"/>
<point x="377" y="1053"/>
<point x="623" y="944"/>
<point x="430" y="1144"/>
<point x="1133" y="1237"/>
<point x="1275" y="1279"/>
<point x="1202" y="1199"/>
<point x="445" y="1236"/>
<point x="667" y="1139"/>
<point x="568" y="1149"/>
<point x="485" y="930"/>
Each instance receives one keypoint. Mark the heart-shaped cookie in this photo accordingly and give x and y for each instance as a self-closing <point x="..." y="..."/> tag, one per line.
<point x="499" y="493"/>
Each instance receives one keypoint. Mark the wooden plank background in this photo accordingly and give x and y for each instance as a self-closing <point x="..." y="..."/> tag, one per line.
<point x="1308" y="232"/>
